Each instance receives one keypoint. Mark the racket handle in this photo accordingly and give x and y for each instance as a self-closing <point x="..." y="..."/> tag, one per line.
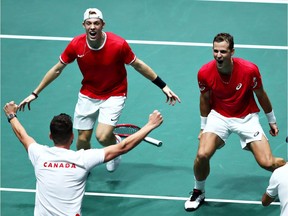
<point x="153" y="141"/>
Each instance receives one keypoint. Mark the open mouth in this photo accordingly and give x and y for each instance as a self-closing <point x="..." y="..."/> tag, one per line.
<point x="92" y="34"/>
<point x="220" y="61"/>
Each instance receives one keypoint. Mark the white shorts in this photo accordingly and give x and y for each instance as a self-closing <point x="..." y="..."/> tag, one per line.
<point x="87" y="111"/>
<point x="248" y="128"/>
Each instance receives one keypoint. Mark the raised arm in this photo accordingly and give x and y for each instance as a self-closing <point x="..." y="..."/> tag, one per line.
<point x="148" y="72"/>
<point x="10" y="110"/>
<point x="155" y="119"/>
<point x="51" y="75"/>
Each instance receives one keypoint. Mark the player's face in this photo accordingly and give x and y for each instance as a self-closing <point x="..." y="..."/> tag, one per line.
<point x="93" y="28"/>
<point x="222" y="54"/>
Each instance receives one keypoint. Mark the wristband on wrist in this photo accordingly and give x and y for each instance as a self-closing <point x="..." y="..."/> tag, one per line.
<point x="33" y="93"/>
<point x="203" y="122"/>
<point x="11" y="116"/>
<point x="159" y="82"/>
<point x="271" y="117"/>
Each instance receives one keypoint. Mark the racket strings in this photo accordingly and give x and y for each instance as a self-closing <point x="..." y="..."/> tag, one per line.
<point x="125" y="130"/>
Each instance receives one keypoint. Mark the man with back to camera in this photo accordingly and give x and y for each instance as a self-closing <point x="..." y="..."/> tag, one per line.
<point x="61" y="173"/>
<point x="278" y="186"/>
<point x="101" y="57"/>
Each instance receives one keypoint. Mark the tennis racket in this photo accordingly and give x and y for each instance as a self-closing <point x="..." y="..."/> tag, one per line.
<point x="125" y="130"/>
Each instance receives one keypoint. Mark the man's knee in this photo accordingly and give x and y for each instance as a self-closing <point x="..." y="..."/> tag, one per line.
<point x="272" y="163"/>
<point x="84" y="135"/>
<point x="202" y="157"/>
<point x="278" y="162"/>
<point x="83" y="141"/>
<point x="83" y="144"/>
<point x="106" y="139"/>
<point x="102" y="138"/>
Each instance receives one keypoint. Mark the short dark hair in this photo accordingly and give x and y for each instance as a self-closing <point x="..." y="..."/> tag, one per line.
<point x="225" y="37"/>
<point x="61" y="128"/>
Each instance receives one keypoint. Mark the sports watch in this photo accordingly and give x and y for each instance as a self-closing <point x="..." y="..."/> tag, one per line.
<point x="11" y="116"/>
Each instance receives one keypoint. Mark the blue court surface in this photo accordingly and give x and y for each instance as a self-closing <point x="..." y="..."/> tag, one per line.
<point x="175" y="39"/>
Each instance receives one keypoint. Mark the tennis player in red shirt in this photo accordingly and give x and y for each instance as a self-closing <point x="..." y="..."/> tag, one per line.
<point x="101" y="57"/>
<point x="227" y="105"/>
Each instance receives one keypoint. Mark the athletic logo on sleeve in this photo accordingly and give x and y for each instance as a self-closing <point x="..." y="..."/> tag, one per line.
<point x="201" y="86"/>
<point x="254" y="82"/>
<point x="238" y="86"/>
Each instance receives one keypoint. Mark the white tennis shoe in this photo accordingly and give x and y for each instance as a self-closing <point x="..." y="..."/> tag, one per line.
<point x="112" y="165"/>
<point x="195" y="200"/>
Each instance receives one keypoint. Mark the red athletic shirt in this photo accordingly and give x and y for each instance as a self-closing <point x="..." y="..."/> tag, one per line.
<point x="235" y="99"/>
<point x="103" y="70"/>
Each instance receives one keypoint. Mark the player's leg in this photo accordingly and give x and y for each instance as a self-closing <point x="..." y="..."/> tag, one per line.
<point x="253" y="138"/>
<point x="209" y="143"/>
<point x="213" y="137"/>
<point x="104" y="134"/>
<point x="263" y="155"/>
<point x="106" y="137"/>
<point x="85" y="114"/>
<point x="109" y="114"/>
<point x="84" y="138"/>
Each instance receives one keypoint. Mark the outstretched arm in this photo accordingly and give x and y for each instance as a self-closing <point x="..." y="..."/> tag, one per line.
<point x="51" y="75"/>
<point x="155" y="119"/>
<point x="10" y="110"/>
<point x="147" y="72"/>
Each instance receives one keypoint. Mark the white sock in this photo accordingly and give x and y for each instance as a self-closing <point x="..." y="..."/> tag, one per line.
<point x="199" y="185"/>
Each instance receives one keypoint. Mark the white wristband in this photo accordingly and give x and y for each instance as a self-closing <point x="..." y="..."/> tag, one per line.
<point x="271" y="117"/>
<point x="203" y="122"/>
